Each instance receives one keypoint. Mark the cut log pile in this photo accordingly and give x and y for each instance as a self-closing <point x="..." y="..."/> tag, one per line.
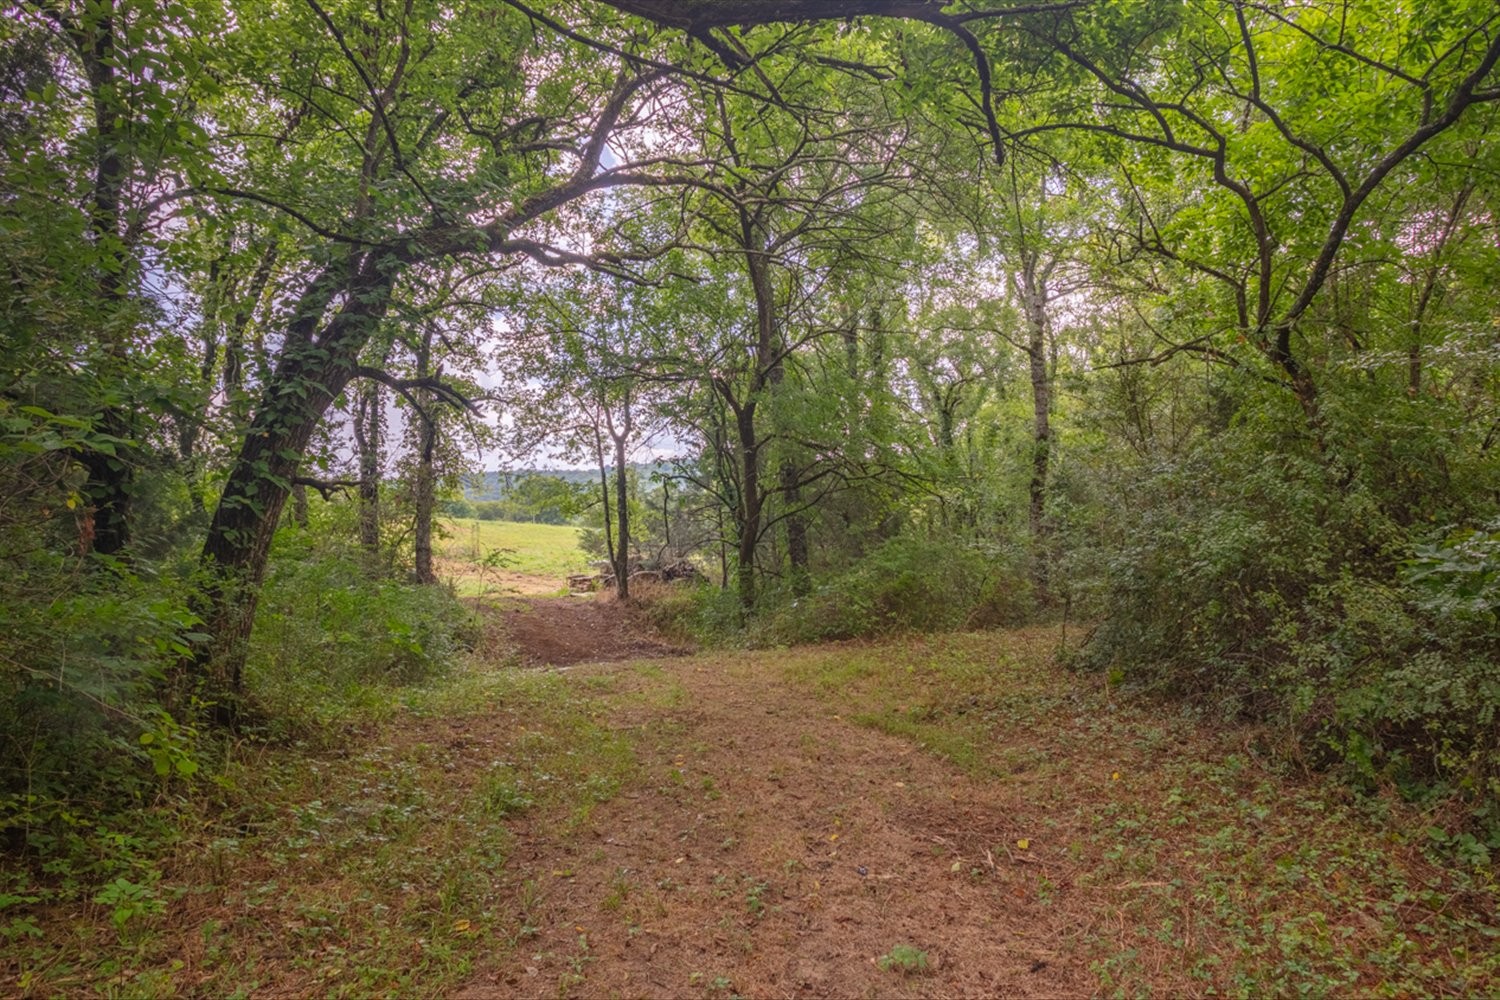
<point x="681" y="571"/>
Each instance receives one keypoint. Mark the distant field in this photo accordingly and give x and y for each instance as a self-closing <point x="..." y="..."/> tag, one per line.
<point x="544" y="550"/>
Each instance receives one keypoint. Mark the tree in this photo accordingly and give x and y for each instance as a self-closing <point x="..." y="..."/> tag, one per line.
<point x="1291" y="178"/>
<point x="580" y="348"/>
<point x="424" y="88"/>
<point x="797" y="198"/>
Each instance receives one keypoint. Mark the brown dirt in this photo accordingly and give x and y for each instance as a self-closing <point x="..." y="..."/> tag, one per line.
<point x="470" y="579"/>
<point x="560" y="631"/>
<point x="773" y="848"/>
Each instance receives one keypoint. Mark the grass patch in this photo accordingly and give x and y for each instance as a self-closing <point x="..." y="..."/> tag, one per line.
<point x="373" y="863"/>
<point x="904" y="958"/>
<point x="549" y="550"/>
<point x="1218" y="871"/>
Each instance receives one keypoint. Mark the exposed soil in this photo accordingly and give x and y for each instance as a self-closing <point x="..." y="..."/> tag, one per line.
<point x="560" y="631"/>
<point x="772" y="849"/>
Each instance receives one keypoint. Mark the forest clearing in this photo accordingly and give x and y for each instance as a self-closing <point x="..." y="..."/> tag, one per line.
<point x="723" y="498"/>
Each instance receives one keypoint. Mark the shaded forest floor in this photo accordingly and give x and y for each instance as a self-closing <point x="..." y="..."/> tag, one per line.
<point x="932" y="817"/>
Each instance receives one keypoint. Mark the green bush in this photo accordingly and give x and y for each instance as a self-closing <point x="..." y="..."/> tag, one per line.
<point x="705" y="614"/>
<point x="1291" y="590"/>
<point x="326" y="632"/>
<point x="457" y="507"/>
<point x="78" y="695"/>
<point x="907" y="584"/>
<point x="912" y="584"/>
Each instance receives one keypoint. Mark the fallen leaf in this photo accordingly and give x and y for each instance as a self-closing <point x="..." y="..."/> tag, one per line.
<point x="957" y="866"/>
<point x="459" y="926"/>
<point x="1023" y="844"/>
<point x="833" y="836"/>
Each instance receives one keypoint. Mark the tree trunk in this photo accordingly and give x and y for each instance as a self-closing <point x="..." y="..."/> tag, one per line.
<point x="766" y="371"/>
<point x="796" y="529"/>
<point x="622" y="516"/>
<point x="110" y="477"/>
<point x="609" y="537"/>
<point x="239" y="539"/>
<point x="299" y="506"/>
<point x="1431" y="290"/>
<point x="1034" y="292"/>
<point x="304" y="383"/>
<point x="368" y="421"/>
<point x="426" y="477"/>
<point x="749" y="511"/>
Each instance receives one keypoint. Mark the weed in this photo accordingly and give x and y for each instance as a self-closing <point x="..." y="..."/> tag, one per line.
<point x="503" y="795"/>
<point x="755" y="899"/>
<point x="907" y="959"/>
<point x="619" y="891"/>
<point x="129" y="902"/>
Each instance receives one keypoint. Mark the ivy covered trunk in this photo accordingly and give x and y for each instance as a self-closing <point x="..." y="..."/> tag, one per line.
<point x="312" y="372"/>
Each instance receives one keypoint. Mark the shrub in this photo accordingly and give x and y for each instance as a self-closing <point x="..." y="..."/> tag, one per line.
<point x="1288" y="590"/>
<point x="907" y="584"/>
<point x="456" y="507"/>
<point x="705" y="613"/>
<point x="326" y="631"/>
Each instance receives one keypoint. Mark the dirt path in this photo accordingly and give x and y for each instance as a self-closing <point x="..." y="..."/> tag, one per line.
<point x="771" y="849"/>
<point x="774" y="824"/>
<point x="559" y="631"/>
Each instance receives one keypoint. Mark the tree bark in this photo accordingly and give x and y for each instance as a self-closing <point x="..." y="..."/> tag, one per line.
<point x="766" y="369"/>
<point x="306" y="380"/>
<point x="749" y="511"/>
<point x="368" y="422"/>
<point x="299" y="505"/>
<point x="110" y="476"/>
<point x="424" y="487"/>
<point x="609" y="536"/>
<point x="1034" y="301"/>
<point x="622" y="515"/>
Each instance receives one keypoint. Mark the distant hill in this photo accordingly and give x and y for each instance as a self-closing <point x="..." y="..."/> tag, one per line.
<point x="496" y="484"/>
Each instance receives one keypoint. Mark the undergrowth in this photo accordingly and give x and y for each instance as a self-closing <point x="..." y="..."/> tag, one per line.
<point x="906" y="584"/>
<point x="330" y="640"/>
<point x="1346" y="606"/>
<point x="371" y="864"/>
